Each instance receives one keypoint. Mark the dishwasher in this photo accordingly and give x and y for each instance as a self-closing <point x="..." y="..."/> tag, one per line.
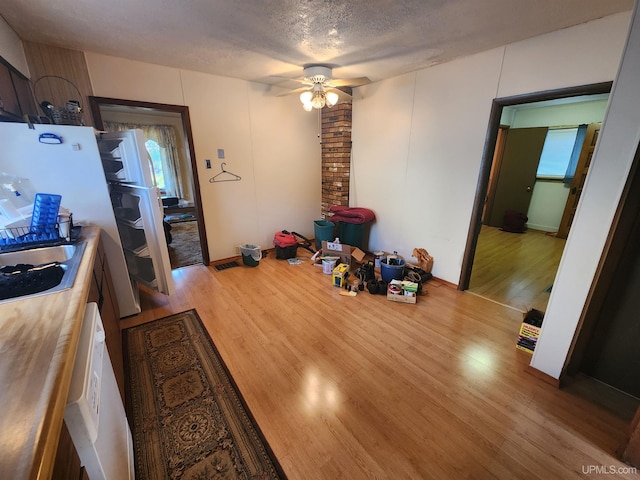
<point x="94" y="414"/>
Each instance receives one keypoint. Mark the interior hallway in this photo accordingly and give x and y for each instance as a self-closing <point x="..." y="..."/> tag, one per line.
<point x="361" y="387"/>
<point x="516" y="269"/>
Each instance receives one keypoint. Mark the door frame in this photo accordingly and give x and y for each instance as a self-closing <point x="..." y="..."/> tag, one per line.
<point x="96" y="102"/>
<point x="497" y="106"/>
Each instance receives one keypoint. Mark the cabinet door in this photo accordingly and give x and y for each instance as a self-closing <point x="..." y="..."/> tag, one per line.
<point x="110" y="315"/>
<point x="23" y="93"/>
<point x="67" y="462"/>
<point x="7" y="93"/>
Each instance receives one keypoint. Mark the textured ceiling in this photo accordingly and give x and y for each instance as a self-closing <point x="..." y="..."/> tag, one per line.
<point x="266" y="40"/>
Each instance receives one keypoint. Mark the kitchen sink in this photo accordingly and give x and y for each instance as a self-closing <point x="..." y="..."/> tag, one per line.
<point x="41" y="259"/>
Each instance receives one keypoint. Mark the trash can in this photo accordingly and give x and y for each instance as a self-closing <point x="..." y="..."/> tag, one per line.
<point x="323" y="231"/>
<point x="251" y="254"/>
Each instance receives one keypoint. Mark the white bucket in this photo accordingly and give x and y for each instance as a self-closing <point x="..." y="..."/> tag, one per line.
<point x="328" y="264"/>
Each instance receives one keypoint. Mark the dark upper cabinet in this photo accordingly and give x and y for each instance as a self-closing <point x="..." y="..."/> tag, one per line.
<point x="24" y="93"/>
<point x="8" y="95"/>
<point x="16" y="97"/>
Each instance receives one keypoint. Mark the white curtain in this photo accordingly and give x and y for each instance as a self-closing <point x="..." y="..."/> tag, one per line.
<point x="165" y="137"/>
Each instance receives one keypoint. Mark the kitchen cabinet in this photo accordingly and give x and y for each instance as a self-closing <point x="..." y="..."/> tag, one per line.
<point x="8" y="96"/>
<point x="67" y="463"/>
<point x="101" y="292"/>
<point x="16" y="97"/>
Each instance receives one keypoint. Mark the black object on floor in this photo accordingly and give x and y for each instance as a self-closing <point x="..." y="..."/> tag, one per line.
<point x="224" y="266"/>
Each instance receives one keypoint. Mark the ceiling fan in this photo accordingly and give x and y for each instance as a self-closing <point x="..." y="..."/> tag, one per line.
<point x="320" y="89"/>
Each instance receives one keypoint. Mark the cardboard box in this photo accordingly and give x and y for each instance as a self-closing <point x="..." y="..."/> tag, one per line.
<point x="408" y="292"/>
<point x="530" y="330"/>
<point x="347" y="253"/>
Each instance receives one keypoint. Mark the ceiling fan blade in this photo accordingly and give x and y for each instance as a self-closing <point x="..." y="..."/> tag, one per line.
<point x="304" y="81"/>
<point x="339" y="91"/>
<point x="290" y="92"/>
<point x="350" y="82"/>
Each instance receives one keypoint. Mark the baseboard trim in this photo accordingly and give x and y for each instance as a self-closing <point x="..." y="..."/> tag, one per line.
<point x="438" y="282"/>
<point x="543" y="376"/>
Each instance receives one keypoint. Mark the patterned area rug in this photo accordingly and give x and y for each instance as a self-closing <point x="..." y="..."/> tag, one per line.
<point x="189" y="419"/>
<point x="184" y="248"/>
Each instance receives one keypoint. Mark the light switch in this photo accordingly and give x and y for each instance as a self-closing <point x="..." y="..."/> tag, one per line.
<point x="207" y="163"/>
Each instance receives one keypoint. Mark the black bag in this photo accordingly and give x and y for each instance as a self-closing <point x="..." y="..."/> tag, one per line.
<point x="514" y="222"/>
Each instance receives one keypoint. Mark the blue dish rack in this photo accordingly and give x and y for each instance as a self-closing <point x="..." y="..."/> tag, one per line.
<point x="43" y="230"/>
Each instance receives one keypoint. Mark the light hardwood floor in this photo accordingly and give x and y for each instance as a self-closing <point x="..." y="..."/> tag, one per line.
<point x="515" y="269"/>
<point x="361" y="387"/>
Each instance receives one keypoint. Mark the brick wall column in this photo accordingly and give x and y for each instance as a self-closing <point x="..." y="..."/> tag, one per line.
<point x="336" y="155"/>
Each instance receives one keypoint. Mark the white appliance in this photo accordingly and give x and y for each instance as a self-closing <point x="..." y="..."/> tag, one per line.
<point x="94" y="415"/>
<point x="137" y="206"/>
<point x="74" y="169"/>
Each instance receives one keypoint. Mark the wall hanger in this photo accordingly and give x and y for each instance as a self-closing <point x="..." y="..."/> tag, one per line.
<point x="228" y="176"/>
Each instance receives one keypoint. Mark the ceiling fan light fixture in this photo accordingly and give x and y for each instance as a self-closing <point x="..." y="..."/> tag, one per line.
<point x="318" y="100"/>
<point x="306" y="97"/>
<point x="332" y="98"/>
<point x="307" y="106"/>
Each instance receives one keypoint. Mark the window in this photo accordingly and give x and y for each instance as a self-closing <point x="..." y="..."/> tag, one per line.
<point x="556" y="153"/>
<point x="154" y="151"/>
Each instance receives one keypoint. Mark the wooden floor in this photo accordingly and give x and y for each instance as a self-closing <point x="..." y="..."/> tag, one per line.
<point x="516" y="269"/>
<point x="361" y="387"/>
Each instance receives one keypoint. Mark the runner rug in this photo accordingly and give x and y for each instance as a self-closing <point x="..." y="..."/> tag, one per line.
<point x="189" y="421"/>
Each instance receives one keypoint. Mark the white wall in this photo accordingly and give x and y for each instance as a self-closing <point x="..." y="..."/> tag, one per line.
<point x="418" y="139"/>
<point x="11" y="48"/>
<point x="618" y="143"/>
<point x="418" y="143"/>
<point x="548" y="198"/>
<point x="271" y="142"/>
<point x="571" y="114"/>
<point x="547" y="205"/>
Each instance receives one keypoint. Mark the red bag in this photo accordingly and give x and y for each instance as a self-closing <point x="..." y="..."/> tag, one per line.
<point x="286" y="244"/>
<point x="282" y="239"/>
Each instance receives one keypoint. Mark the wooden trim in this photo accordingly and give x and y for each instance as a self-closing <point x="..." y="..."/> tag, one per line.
<point x="481" y="192"/>
<point x="631" y="450"/>
<point x="183" y="110"/>
<point x="437" y="282"/>
<point x="543" y="376"/>
<point x="487" y="159"/>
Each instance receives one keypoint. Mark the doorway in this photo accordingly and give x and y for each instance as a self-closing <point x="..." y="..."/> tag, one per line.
<point x="171" y="141"/>
<point x="520" y="266"/>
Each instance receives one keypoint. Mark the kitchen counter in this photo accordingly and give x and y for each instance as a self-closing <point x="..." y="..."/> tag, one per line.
<point x="38" y="341"/>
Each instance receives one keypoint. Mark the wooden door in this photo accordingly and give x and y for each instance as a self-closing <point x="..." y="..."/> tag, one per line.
<point x="493" y="174"/>
<point x="579" y="177"/>
<point x="517" y="175"/>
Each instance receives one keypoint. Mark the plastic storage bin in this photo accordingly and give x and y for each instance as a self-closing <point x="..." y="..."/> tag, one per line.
<point x="352" y="234"/>
<point x="392" y="272"/>
<point x="251" y="254"/>
<point x="323" y="231"/>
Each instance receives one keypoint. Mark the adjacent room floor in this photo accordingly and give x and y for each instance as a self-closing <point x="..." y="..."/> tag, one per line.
<point x="361" y="387"/>
<point x="516" y="269"/>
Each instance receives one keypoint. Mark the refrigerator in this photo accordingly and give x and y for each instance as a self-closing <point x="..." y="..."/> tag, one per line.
<point x="106" y="180"/>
